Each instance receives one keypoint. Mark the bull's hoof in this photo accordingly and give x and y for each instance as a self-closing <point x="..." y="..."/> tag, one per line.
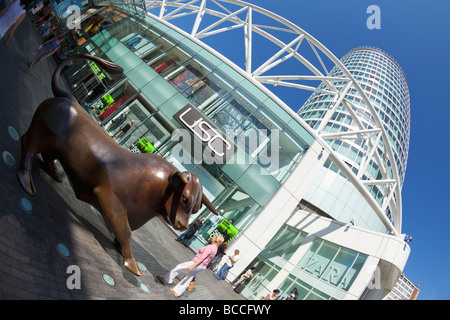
<point x="25" y="182"/>
<point x="131" y="265"/>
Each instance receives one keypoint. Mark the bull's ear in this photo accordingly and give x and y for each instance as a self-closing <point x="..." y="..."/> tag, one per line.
<point x="209" y="205"/>
<point x="185" y="177"/>
<point x="176" y="177"/>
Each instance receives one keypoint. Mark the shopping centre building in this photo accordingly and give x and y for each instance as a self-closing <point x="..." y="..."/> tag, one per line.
<point x="311" y="199"/>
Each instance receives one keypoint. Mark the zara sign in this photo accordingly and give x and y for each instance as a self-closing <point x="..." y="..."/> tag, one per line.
<point x="205" y="132"/>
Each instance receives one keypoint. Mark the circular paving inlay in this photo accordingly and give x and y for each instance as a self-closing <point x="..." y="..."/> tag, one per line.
<point x="8" y="159"/>
<point x="142" y="286"/>
<point x="142" y="266"/>
<point x="25" y="204"/>
<point x="13" y="133"/>
<point x="63" y="250"/>
<point x="108" y="279"/>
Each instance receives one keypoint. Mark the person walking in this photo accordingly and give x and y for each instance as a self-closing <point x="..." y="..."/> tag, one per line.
<point x="218" y="257"/>
<point x="245" y="276"/>
<point x="123" y="129"/>
<point x="193" y="228"/>
<point x="198" y="264"/>
<point x="11" y="17"/>
<point x="47" y="49"/>
<point x="227" y="265"/>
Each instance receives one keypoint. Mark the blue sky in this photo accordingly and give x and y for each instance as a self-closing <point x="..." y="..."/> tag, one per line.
<point x="417" y="34"/>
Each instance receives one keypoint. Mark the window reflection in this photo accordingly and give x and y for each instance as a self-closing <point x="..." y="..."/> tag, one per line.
<point x="331" y="263"/>
<point x="286" y="242"/>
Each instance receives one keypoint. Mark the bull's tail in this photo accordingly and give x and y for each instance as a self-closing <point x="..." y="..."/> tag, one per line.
<point x="108" y="66"/>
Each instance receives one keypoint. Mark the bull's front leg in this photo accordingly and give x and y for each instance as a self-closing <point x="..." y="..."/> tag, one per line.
<point x="24" y="172"/>
<point x="115" y="216"/>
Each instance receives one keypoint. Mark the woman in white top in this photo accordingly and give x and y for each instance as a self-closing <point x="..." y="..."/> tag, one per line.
<point x="245" y="276"/>
<point x="11" y="17"/>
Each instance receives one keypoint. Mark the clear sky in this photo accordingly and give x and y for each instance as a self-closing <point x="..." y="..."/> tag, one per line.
<point x="417" y="34"/>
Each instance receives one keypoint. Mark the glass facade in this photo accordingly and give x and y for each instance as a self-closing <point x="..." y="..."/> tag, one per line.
<point x="325" y="272"/>
<point x="61" y="11"/>
<point x="384" y="83"/>
<point x="164" y="71"/>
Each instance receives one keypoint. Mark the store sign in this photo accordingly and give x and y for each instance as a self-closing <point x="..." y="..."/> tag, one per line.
<point x="145" y="146"/>
<point x="98" y="72"/>
<point x="227" y="230"/>
<point x="204" y="131"/>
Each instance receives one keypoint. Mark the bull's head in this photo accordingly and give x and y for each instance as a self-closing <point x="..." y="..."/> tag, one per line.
<point x="184" y="197"/>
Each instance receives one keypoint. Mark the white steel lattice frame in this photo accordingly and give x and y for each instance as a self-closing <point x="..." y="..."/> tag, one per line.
<point x="245" y="16"/>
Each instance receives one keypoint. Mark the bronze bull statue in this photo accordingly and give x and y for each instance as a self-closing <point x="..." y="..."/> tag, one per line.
<point x="128" y="189"/>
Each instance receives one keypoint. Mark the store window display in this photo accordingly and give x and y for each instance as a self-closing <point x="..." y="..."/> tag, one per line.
<point x="139" y="42"/>
<point x="128" y="117"/>
<point x="88" y="81"/>
<point x="160" y="51"/>
<point x="114" y="101"/>
<point x="199" y="82"/>
<point x="147" y="135"/>
<point x="166" y="62"/>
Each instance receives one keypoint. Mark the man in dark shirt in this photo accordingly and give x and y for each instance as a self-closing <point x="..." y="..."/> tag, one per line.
<point x="193" y="228"/>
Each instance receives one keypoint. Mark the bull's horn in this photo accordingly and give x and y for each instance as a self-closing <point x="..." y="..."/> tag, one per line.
<point x="209" y="205"/>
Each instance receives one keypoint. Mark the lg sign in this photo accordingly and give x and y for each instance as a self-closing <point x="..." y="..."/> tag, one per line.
<point x="206" y="133"/>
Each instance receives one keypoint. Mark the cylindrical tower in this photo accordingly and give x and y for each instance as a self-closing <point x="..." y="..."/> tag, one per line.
<point x="385" y="85"/>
